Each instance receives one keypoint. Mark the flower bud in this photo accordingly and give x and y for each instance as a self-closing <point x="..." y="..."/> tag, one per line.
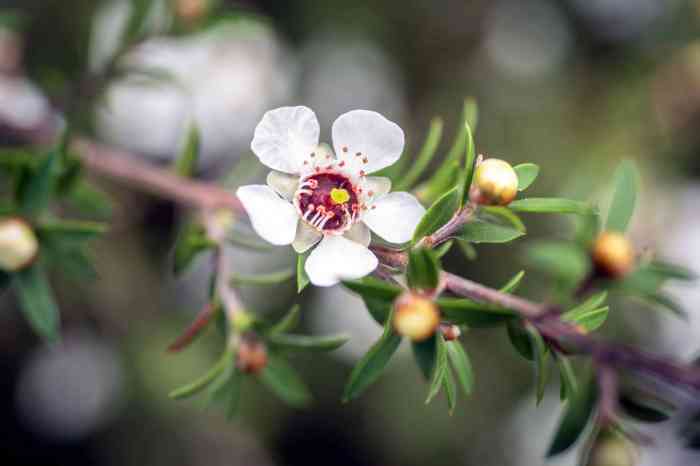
<point x="611" y="449"/>
<point x="613" y="255"/>
<point x="415" y="316"/>
<point x="450" y="332"/>
<point x="495" y="183"/>
<point x="18" y="244"/>
<point x="252" y="355"/>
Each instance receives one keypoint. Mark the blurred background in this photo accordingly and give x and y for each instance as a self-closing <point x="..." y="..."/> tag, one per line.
<point x="573" y="85"/>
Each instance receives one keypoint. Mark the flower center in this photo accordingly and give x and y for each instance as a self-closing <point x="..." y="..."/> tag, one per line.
<point x="327" y="201"/>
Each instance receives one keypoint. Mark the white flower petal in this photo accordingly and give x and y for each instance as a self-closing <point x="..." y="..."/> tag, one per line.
<point x="273" y="218"/>
<point x="377" y="185"/>
<point x="284" y="184"/>
<point x="305" y="238"/>
<point x="394" y="217"/>
<point x="359" y="233"/>
<point x="285" y="137"/>
<point x="369" y="134"/>
<point x="337" y="258"/>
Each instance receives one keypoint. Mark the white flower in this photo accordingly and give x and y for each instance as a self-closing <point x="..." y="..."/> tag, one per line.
<point x="314" y="195"/>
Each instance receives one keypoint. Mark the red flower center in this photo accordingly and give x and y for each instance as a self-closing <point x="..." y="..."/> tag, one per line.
<point x="327" y="201"/>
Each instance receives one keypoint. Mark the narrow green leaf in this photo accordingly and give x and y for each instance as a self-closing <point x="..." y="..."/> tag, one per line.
<point x="443" y="249"/>
<point x="590" y="319"/>
<point x="520" y="339"/>
<point x="203" y="382"/>
<point x="373" y="364"/>
<point x="575" y="419"/>
<point x="567" y="378"/>
<point x="552" y="205"/>
<point x="71" y="231"/>
<point x="304" y="342"/>
<point x="191" y="241"/>
<point x="645" y="407"/>
<point x="504" y="213"/>
<point x="374" y="288"/>
<point x="281" y="379"/>
<point x="565" y="261"/>
<point x="262" y="279"/>
<point x="527" y="174"/>
<point x="186" y="163"/>
<point x="226" y="390"/>
<point x="37" y="301"/>
<point x="424" y="353"/>
<point x="513" y="283"/>
<point x="462" y="366"/>
<point x="468" y="250"/>
<point x="426" y="154"/>
<point x="378" y="308"/>
<point x="541" y="356"/>
<point x="35" y="194"/>
<point x="671" y="271"/>
<point x="469" y="164"/>
<point x="438" y="214"/>
<point x="423" y="271"/>
<point x="302" y="277"/>
<point x="482" y="232"/>
<point x="625" y="197"/>
<point x="448" y="382"/>
<point x="288" y="322"/>
<point x="439" y="369"/>
<point x="464" y="311"/>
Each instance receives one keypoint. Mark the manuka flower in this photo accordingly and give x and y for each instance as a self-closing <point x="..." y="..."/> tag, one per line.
<point x="315" y="196"/>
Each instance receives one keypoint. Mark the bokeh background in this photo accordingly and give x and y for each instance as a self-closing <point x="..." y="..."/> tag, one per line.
<point x="573" y="85"/>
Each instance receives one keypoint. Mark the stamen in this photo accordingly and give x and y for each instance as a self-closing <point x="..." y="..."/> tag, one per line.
<point x="345" y="148"/>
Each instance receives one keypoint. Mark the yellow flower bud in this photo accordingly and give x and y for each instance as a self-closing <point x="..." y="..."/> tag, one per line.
<point x="495" y="183"/>
<point x="415" y="317"/>
<point x="252" y="355"/>
<point x="613" y="255"/>
<point x="18" y="244"/>
<point x="612" y="449"/>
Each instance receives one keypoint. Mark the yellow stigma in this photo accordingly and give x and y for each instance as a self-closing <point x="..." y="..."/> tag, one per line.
<point x="339" y="196"/>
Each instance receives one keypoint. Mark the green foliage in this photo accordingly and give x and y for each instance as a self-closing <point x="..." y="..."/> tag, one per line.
<point x="282" y="380"/>
<point x="575" y="419"/>
<point x="302" y="277"/>
<point x="568" y="383"/>
<point x="372" y="365"/>
<point x="423" y="271"/>
<point x="645" y="407"/>
<point x="34" y="193"/>
<point x="303" y="342"/>
<point x="482" y="232"/>
<point x="527" y="174"/>
<point x="203" y="382"/>
<point x="440" y="368"/>
<point x="191" y="241"/>
<point x="186" y="162"/>
<point x="262" y="279"/>
<point x="624" y="198"/>
<point x="564" y="261"/>
<point x="590" y="314"/>
<point x="545" y="205"/>
<point x="288" y="323"/>
<point x="37" y="301"/>
<point x="438" y="214"/>
<point x="461" y="365"/>
<point x="473" y="314"/>
<point x="426" y="154"/>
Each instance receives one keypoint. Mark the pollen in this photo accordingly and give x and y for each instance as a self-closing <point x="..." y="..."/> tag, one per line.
<point x="339" y="196"/>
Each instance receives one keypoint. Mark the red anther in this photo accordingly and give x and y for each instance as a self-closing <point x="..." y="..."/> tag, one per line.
<point x="342" y="163"/>
<point x="358" y="154"/>
<point x="345" y="148"/>
<point x="362" y="173"/>
<point x="313" y="154"/>
<point x="364" y="160"/>
<point x="370" y="193"/>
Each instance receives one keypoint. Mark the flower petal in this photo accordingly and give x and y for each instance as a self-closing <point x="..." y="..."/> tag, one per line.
<point x="377" y="185"/>
<point x="337" y="258"/>
<point x="376" y="140"/>
<point x="285" y="185"/>
<point x="394" y="217"/>
<point x="285" y="137"/>
<point x="359" y="233"/>
<point x="305" y="238"/>
<point x="273" y="218"/>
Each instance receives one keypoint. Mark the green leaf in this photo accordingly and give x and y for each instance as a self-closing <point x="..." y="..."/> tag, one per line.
<point x="552" y="205"/>
<point x="468" y="250"/>
<point x="373" y="288"/>
<point x="37" y="302"/>
<point x="567" y="378"/>
<point x="186" y="163"/>
<point x="226" y="390"/>
<point x="203" y="382"/>
<point x="90" y="200"/>
<point x="423" y="271"/>
<point x="281" y="379"/>
<point x="469" y="164"/>
<point x="288" y="322"/>
<point x="304" y="342"/>
<point x="624" y="198"/>
<point x="448" y="382"/>
<point x="439" y="369"/>
<point x="424" y="353"/>
<point x="513" y="283"/>
<point x="35" y="194"/>
<point x="504" y="213"/>
<point x="262" y="279"/>
<point x="71" y="231"/>
<point x="372" y="364"/>
<point x="462" y="366"/>
<point x="590" y="314"/>
<point x="426" y="154"/>
<point x="565" y="261"/>
<point x="575" y="419"/>
<point x="443" y="249"/>
<point x="481" y="232"/>
<point x="541" y="355"/>
<point x="669" y="271"/>
<point x="302" y="277"/>
<point x="645" y="407"/>
<point x="527" y="174"/>
<point x="464" y="311"/>
<point x="520" y="339"/>
<point x="438" y="214"/>
<point x="190" y="242"/>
